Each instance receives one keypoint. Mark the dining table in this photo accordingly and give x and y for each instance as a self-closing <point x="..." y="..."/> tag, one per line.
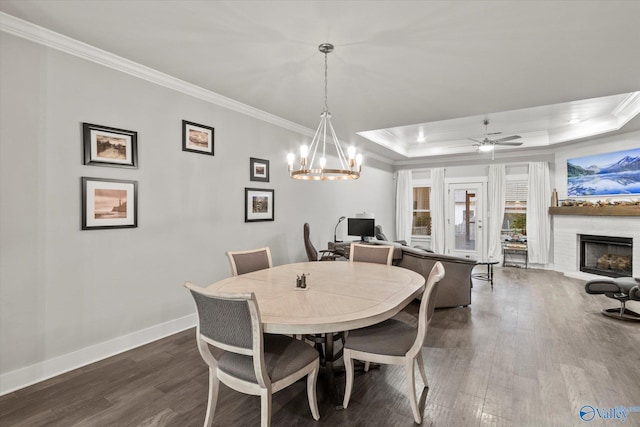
<point x="339" y="296"/>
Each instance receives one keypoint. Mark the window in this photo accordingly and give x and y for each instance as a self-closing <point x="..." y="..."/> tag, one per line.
<point x="514" y="223"/>
<point x="421" y="211"/>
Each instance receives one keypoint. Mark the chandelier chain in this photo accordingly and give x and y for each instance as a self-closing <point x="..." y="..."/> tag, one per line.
<point x="326" y="82"/>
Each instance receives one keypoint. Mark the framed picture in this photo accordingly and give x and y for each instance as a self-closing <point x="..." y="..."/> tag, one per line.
<point x="197" y="138"/>
<point x="258" y="204"/>
<point x="105" y="146"/>
<point x="259" y="169"/>
<point x="109" y="203"/>
<point x="606" y="174"/>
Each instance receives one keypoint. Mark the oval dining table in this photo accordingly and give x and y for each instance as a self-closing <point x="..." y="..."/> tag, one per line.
<point x="339" y="296"/>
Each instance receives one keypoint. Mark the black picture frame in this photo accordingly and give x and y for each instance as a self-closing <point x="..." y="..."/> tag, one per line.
<point x="103" y="206"/>
<point x="107" y="146"/>
<point x="258" y="169"/>
<point x="259" y="204"/>
<point x="197" y="138"/>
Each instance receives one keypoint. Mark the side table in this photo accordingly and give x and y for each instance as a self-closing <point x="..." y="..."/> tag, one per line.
<point x="488" y="276"/>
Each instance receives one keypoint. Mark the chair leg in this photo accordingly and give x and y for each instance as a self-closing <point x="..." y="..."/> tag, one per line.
<point x="265" y="407"/>
<point x="312" y="379"/>
<point x="423" y="373"/>
<point x="214" y="386"/>
<point x="366" y="366"/>
<point x="348" y="365"/>
<point x="411" y="383"/>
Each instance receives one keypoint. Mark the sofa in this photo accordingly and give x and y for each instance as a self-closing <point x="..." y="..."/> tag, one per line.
<point x="455" y="289"/>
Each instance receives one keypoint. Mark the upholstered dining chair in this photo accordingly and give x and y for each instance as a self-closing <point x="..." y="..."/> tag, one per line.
<point x="243" y="262"/>
<point x="394" y="342"/>
<point x="248" y="360"/>
<point x="379" y="254"/>
<point x="312" y="253"/>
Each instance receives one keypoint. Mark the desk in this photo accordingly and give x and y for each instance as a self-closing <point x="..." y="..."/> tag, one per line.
<point x="343" y="248"/>
<point x="340" y="296"/>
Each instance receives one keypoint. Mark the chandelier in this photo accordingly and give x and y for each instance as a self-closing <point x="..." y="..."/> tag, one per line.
<point x="347" y="167"/>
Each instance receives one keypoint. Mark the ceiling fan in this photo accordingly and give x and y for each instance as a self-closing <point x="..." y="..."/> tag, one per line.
<point x="488" y="144"/>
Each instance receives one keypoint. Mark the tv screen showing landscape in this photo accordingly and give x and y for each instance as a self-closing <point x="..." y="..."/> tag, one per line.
<point x="608" y="174"/>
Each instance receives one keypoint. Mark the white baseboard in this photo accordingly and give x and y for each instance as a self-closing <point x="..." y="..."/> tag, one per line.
<point x="29" y="375"/>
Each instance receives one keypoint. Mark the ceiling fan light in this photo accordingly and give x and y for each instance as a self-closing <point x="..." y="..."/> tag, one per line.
<point x="485" y="148"/>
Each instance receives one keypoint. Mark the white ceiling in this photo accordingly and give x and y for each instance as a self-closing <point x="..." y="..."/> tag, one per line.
<point x="404" y="67"/>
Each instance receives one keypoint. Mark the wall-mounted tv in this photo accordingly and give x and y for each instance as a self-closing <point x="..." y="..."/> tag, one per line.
<point x="363" y="227"/>
<point x="607" y="174"/>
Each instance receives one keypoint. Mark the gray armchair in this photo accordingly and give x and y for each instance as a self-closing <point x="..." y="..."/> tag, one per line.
<point x="622" y="289"/>
<point x="381" y="236"/>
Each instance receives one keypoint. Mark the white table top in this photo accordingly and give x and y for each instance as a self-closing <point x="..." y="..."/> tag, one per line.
<point x="339" y="296"/>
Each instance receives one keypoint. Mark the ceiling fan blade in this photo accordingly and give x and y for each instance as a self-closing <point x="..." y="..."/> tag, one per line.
<point x="513" y="144"/>
<point x="508" y="138"/>
<point x="474" y="140"/>
<point x="494" y="133"/>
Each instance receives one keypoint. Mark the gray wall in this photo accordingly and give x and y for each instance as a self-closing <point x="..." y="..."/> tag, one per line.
<point x="63" y="289"/>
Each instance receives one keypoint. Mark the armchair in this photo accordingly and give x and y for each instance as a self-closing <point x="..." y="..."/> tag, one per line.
<point x="622" y="289"/>
<point x="381" y="236"/>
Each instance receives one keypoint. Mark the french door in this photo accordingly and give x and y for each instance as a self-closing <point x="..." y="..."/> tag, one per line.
<point x="464" y="220"/>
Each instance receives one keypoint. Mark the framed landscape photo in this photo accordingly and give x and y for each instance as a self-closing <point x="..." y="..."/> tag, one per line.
<point x="109" y="203"/>
<point x="259" y="169"/>
<point x="258" y="204"/>
<point x="197" y="138"/>
<point x="105" y="146"/>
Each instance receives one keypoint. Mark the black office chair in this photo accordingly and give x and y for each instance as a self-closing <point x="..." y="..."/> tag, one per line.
<point x="312" y="253"/>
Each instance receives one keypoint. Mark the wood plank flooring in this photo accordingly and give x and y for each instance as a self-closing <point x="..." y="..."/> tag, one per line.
<point x="531" y="352"/>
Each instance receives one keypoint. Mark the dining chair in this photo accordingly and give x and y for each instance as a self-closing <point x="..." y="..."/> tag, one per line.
<point x="312" y="253"/>
<point x="393" y="342"/>
<point x="243" y="262"/>
<point x="379" y="254"/>
<point x="249" y="361"/>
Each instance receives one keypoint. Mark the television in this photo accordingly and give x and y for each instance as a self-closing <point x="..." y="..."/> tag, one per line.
<point x="363" y="227"/>
<point x="606" y="174"/>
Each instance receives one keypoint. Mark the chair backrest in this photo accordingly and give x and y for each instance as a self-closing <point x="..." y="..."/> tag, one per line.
<point x="379" y="234"/>
<point x="312" y="253"/>
<point x="243" y="262"/>
<point x="231" y="322"/>
<point x="379" y="254"/>
<point x="427" y="306"/>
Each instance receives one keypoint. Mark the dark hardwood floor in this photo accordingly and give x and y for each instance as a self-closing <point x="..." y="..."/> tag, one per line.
<point x="531" y="352"/>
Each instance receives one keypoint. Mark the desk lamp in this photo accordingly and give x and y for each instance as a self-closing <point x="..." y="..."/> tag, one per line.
<point x="335" y="230"/>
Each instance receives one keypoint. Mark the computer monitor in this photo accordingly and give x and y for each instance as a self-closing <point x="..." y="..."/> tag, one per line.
<point x="363" y="227"/>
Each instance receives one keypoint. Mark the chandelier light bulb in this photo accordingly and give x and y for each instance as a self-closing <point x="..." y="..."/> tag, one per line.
<point x="323" y="162"/>
<point x="359" y="160"/>
<point x="304" y="151"/>
<point x="290" y="159"/>
<point x="351" y="151"/>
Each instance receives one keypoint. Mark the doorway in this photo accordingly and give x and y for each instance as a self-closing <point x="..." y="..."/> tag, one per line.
<point x="464" y="220"/>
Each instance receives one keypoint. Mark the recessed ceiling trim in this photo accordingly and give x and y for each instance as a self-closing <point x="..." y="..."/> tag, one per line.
<point x="24" y="29"/>
<point x="628" y="108"/>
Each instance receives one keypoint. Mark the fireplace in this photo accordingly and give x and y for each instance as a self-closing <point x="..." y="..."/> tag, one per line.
<point x="606" y="256"/>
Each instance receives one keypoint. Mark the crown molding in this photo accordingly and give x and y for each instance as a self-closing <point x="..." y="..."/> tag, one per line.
<point x="24" y="29"/>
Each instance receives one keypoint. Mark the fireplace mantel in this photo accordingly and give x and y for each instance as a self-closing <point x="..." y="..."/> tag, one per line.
<point x="596" y="211"/>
